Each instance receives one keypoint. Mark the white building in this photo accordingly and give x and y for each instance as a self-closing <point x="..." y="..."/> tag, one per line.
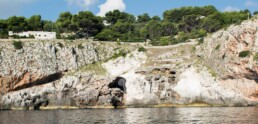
<point x="37" y="34"/>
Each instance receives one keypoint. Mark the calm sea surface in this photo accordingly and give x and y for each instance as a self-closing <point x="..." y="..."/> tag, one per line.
<point x="205" y="115"/>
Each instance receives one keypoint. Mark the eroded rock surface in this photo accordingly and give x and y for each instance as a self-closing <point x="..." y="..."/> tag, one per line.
<point x="79" y="74"/>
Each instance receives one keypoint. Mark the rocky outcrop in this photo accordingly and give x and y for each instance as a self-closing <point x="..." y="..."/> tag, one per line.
<point x="233" y="57"/>
<point x="220" y="71"/>
<point x="42" y="62"/>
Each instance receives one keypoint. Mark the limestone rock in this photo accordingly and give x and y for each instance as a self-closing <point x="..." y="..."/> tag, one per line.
<point x="213" y="72"/>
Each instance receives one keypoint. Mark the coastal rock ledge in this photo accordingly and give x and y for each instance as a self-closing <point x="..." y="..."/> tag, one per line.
<point x="220" y="69"/>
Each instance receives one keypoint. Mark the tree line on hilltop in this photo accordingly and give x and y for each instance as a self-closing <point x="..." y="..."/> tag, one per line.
<point x="176" y="26"/>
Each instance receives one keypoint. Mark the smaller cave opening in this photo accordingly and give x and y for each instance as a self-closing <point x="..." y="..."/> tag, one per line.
<point x="173" y="78"/>
<point x="118" y="95"/>
<point x="173" y="72"/>
<point x="66" y="70"/>
<point x="73" y="51"/>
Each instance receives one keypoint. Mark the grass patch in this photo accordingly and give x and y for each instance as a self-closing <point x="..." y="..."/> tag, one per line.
<point x="244" y="54"/>
<point x="117" y="48"/>
<point x="217" y="47"/>
<point x="193" y="49"/>
<point x="200" y="41"/>
<point x="60" y="45"/>
<point x="17" y="44"/>
<point x="96" y="68"/>
<point x="118" y="42"/>
<point x="142" y="49"/>
<point x="212" y="72"/>
<point x="119" y="54"/>
<point x="131" y="55"/>
<point x="80" y="46"/>
<point x="256" y="57"/>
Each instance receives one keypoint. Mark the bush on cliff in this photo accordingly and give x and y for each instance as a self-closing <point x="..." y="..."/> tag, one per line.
<point x="244" y="54"/>
<point x="142" y="49"/>
<point x="17" y="44"/>
<point x="256" y="57"/>
<point x="122" y="53"/>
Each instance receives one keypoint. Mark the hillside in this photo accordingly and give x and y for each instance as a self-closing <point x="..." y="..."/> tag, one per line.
<point x="220" y="70"/>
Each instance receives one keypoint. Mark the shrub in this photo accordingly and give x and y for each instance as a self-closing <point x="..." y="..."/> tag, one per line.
<point x="256" y="56"/>
<point x="31" y="36"/>
<point x="17" y="44"/>
<point x="202" y="33"/>
<point x="244" y="54"/>
<point x="118" y="42"/>
<point x="193" y="49"/>
<point x="174" y="41"/>
<point x="80" y="46"/>
<point x="182" y="37"/>
<point x="200" y="41"/>
<point x="217" y="47"/>
<point x="142" y="49"/>
<point x="18" y="37"/>
<point x="106" y="35"/>
<point x="60" y="45"/>
<point x="58" y="36"/>
<point x="212" y="72"/>
<point x="164" y="41"/>
<point x="71" y="37"/>
<point x="120" y="53"/>
<point x="3" y="34"/>
<point x="135" y="39"/>
<point x="196" y="34"/>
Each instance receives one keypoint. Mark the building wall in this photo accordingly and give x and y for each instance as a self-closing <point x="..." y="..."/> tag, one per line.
<point x="44" y="35"/>
<point x="37" y="34"/>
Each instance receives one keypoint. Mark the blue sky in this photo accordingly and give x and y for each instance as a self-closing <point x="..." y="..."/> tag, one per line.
<point x="50" y="9"/>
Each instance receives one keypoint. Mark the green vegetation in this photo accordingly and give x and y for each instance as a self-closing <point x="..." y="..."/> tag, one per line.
<point x="256" y="57"/>
<point x="217" y="47"/>
<point x="60" y="45"/>
<point x="118" y="42"/>
<point x="212" y="72"/>
<point x="131" y="55"/>
<point x="176" y="26"/>
<point x="163" y="41"/>
<point x="255" y="13"/>
<point x="200" y="41"/>
<point x="96" y="68"/>
<point x="17" y="45"/>
<point x="244" y="54"/>
<point x="119" y="54"/>
<point x="80" y="46"/>
<point x="193" y="49"/>
<point x="142" y="49"/>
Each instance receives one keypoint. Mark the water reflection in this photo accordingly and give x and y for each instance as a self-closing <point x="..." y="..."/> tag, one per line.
<point x="133" y="116"/>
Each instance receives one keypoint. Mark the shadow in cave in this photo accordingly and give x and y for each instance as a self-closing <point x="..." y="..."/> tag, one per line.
<point x="45" y="80"/>
<point x="119" y="82"/>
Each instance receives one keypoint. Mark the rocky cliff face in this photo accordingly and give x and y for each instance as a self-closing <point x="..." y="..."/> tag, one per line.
<point x="221" y="70"/>
<point x="42" y="62"/>
<point x="52" y="69"/>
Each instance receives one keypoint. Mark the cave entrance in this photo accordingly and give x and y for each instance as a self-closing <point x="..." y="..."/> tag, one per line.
<point x="118" y="94"/>
<point x="119" y="82"/>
